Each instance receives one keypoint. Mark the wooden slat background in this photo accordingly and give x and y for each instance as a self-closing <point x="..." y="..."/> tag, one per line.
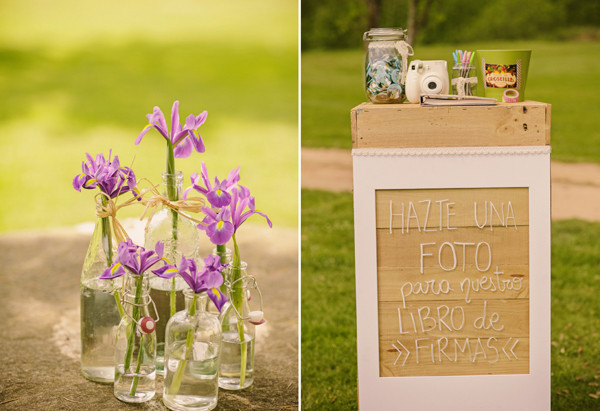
<point x="399" y="263"/>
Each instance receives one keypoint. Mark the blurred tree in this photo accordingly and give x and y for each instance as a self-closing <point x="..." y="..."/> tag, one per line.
<point x="374" y="7"/>
<point x="418" y="14"/>
<point x="333" y="23"/>
<point x="340" y="24"/>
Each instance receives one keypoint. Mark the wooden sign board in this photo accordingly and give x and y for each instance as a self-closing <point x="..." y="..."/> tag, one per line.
<point x="453" y="277"/>
<point x="453" y="281"/>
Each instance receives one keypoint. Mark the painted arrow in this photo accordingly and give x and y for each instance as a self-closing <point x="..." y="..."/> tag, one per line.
<point x="511" y="348"/>
<point x="400" y="352"/>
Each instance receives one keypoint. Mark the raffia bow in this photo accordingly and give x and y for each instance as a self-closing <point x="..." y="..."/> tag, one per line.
<point x="109" y="210"/>
<point x="157" y="201"/>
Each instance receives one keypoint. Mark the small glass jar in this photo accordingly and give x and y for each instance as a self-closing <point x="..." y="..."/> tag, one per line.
<point x="135" y="344"/>
<point x="238" y="322"/>
<point x="386" y="61"/>
<point x="464" y="79"/>
<point x="192" y="349"/>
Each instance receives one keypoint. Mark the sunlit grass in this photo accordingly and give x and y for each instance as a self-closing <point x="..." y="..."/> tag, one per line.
<point x="68" y="24"/>
<point x="69" y="88"/>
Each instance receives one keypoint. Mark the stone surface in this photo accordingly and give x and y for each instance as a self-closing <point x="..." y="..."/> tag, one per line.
<point x="39" y="324"/>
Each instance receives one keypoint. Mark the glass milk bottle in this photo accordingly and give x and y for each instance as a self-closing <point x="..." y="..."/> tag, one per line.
<point x="135" y="344"/>
<point x="181" y="238"/>
<point x="192" y="350"/>
<point x="99" y="306"/>
<point x="238" y="324"/>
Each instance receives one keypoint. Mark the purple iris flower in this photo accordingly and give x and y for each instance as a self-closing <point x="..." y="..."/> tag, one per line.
<point x="208" y="279"/>
<point x="217" y="225"/>
<point x="242" y="207"/>
<point x="218" y="195"/>
<point x="183" y="139"/>
<point x="106" y="175"/>
<point x="135" y="259"/>
<point x="220" y="226"/>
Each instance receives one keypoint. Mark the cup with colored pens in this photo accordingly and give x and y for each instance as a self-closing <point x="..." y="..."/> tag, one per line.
<point x="464" y="78"/>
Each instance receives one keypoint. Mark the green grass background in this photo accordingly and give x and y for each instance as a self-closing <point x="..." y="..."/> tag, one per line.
<point x="563" y="74"/>
<point x="79" y="77"/>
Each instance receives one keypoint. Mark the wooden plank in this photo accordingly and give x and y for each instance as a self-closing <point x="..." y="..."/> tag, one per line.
<point x="438" y="357"/>
<point x="454" y="318"/>
<point x="353" y="125"/>
<point x="548" y="123"/>
<point x="408" y="284"/>
<point x="436" y="209"/>
<point x="459" y="282"/>
<point x="436" y="251"/>
<point x="410" y="125"/>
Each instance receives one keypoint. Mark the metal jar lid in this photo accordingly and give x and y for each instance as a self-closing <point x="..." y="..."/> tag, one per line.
<point x="391" y="33"/>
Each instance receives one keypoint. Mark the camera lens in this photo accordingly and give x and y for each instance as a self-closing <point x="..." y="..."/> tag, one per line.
<point x="432" y="84"/>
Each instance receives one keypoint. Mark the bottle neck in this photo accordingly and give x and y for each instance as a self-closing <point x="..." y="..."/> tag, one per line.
<point x="136" y="291"/>
<point x="195" y="303"/>
<point x="234" y="272"/>
<point x="172" y="185"/>
<point x="226" y="255"/>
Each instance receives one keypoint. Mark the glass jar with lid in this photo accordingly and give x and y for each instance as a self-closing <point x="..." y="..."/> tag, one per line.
<point x="386" y="61"/>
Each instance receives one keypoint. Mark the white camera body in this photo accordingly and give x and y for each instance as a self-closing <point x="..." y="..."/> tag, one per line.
<point x="426" y="77"/>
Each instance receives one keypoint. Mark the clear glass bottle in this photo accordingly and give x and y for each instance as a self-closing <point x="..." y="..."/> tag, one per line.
<point x="386" y="62"/>
<point x="135" y="344"/>
<point x="180" y="237"/>
<point x="237" y="356"/>
<point x="464" y="79"/>
<point x="192" y="349"/>
<point x="99" y="306"/>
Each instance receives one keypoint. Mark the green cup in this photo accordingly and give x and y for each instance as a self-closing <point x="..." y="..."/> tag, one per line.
<point x="502" y="70"/>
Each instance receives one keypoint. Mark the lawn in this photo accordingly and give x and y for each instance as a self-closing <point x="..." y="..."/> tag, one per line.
<point x="328" y="308"/>
<point x="562" y="74"/>
<point x="79" y="77"/>
<point x="331" y="86"/>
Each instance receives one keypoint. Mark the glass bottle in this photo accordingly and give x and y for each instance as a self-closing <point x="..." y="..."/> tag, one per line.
<point x="386" y="62"/>
<point x="135" y="344"/>
<point x="100" y="306"/>
<point x="193" y="345"/>
<point x="464" y="79"/>
<point x="237" y="356"/>
<point x="181" y="238"/>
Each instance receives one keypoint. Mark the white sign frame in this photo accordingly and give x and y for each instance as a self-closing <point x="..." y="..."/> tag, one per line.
<point x="462" y="167"/>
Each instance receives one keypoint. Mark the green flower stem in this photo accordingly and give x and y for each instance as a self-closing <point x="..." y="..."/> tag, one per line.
<point x="134" y="384"/>
<point x="237" y="296"/>
<point x="222" y="253"/>
<point x="118" y="302"/>
<point x="189" y="342"/>
<point x="107" y="244"/>
<point x="173" y="195"/>
<point x="135" y="314"/>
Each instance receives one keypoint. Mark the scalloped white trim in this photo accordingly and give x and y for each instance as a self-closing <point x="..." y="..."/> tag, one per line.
<point x="452" y="151"/>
